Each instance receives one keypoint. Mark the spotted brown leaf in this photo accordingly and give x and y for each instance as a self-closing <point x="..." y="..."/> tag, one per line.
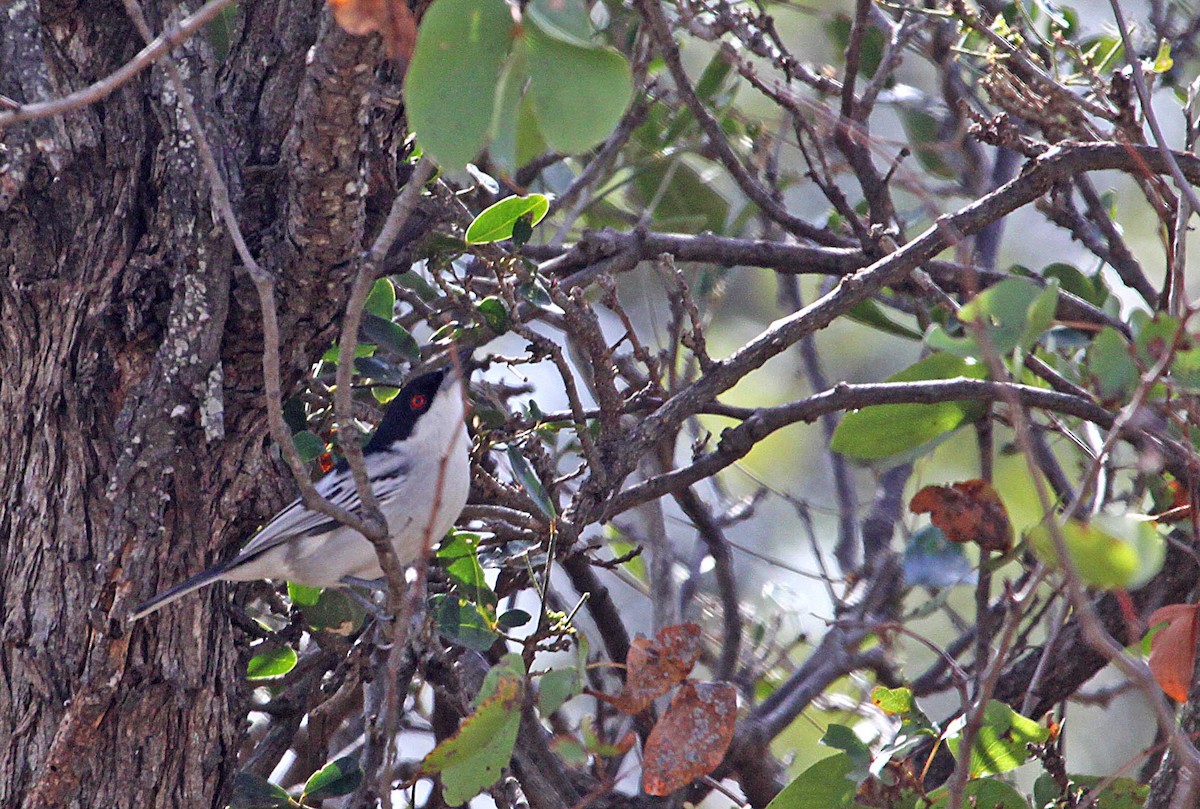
<point x="967" y="511"/>
<point x="691" y="738"/>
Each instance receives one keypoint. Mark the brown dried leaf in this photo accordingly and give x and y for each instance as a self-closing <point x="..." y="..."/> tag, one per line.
<point x="653" y="667"/>
<point x="968" y="511"/>
<point x="393" y="19"/>
<point x="1173" y="649"/>
<point x="691" y="738"/>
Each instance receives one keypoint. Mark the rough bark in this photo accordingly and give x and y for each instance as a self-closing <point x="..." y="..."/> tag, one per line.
<point x="128" y="337"/>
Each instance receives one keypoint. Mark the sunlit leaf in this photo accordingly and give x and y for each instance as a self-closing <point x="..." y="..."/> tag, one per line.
<point x="495" y="223"/>
<point x="1001" y="744"/>
<point x="272" y="661"/>
<point x="381" y="300"/>
<point x="472" y="759"/>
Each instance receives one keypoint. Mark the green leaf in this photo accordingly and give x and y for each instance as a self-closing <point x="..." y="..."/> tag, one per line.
<point x="1111" y="551"/>
<point x="463" y="622"/>
<point x="506" y="132"/>
<point x="1002" y="740"/>
<point x="390" y="336"/>
<point x="495" y="223"/>
<point x="494" y="313"/>
<point x="450" y="87"/>
<point x="824" y="785"/>
<point x="302" y="595"/>
<point x="459" y="555"/>
<point x="423" y="289"/>
<point x="220" y="31"/>
<point x="383" y="393"/>
<point x="335" y="779"/>
<point x="1155" y="336"/>
<point x="252" y="791"/>
<point x="1185" y="370"/>
<point x="472" y="759"/>
<point x="684" y="197"/>
<point x="925" y="135"/>
<point x="1110" y="364"/>
<point x="511" y="619"/>
<point x="295" y="414"/>
<point x="334" y="612"/>
<point x="1162" y="60"/>
<point x="273" y="661"/>
<point x="892" y="701"/>
<point x="1075" y="282"/>
<point x="309" y="445"/>
<point x="1012" y="314"/>
<point x="556" y="687"/>
<point x="845" y="739"/>
<point x="1112" y="793"/>
<point x="578" y="94"/>
<point x="381" y="300"/>
<point x="564" y="20"/>
<point x="870" y="313"/>
<point x="987" y="792"/>
<point x="570" y="750"/>
<point x="873" y="40"/>
<point x="361" y="350"/>
<point x="532" y="484"/>
<point x="880" y="431"/>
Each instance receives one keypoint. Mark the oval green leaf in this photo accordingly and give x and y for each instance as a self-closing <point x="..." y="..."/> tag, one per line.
<point x="473" y="759"/>
<point x="390" y="336"/>
<point x="271" y="662"/>
<point x="450" y="87"/>
<point x="309" y="445"/>
<point x="381" y="301"/>
<point x="578" y="94"/>
<point x="880" y="431"/>
<point x="496" y="222"/>
<point x="824" y="785"/>
<point x="1100" y="558"/>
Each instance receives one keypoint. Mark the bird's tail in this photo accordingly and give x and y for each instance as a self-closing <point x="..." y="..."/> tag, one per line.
<point x="178" y="591"/>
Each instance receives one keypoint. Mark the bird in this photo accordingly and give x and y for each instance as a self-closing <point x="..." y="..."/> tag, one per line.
<point x="418" y="465"/>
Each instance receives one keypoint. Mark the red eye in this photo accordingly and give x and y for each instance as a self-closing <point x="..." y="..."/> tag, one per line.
<point x="417" y="402"/>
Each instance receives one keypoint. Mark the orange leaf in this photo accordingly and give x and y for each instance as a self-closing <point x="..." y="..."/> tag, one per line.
<point x="391" y="18"/>
<point x="691" y="738"/>
<point x="1173" y="649"/>
<point x="967" y="511"/>
<point x="653" y="667"/>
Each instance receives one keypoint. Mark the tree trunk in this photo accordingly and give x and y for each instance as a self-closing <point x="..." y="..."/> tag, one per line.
<point x="132" y="443"/>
